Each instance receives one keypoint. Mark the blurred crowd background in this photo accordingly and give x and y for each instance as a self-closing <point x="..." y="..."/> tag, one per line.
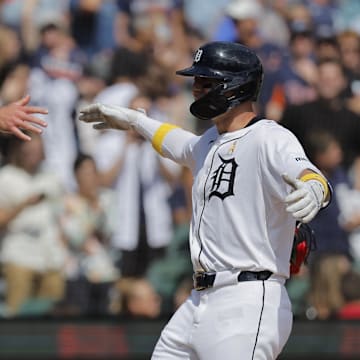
<point x="95" y="223"/>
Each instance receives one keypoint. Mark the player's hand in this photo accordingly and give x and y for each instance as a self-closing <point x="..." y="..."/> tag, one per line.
<point x="17" y="116"/>
<point x="109" y="117"/>
<point x="305" y="200"/>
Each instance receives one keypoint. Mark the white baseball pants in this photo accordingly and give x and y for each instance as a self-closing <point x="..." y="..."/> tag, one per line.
<point x="251" y="320"/>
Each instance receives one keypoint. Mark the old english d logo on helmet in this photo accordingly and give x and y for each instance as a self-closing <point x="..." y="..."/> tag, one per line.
<point x="237" y="67"/>
<point x="197" y="56"/>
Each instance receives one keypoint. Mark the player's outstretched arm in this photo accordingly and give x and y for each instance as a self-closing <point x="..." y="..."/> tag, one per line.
<point x="18" y="116"/>
<point x="116" y="117"/>
<point x="109" y="117"/>
<point x="310" y="193"/>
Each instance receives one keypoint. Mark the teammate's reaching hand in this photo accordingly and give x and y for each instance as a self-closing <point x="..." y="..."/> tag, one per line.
<point x="17" y="116"/>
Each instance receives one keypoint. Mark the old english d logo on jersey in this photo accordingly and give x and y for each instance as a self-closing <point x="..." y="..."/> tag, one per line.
<point x="223" y="179"/>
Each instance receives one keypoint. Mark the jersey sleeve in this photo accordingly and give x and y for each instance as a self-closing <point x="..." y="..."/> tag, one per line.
<point x="168" y="140"/>
<point x="178" y="146"/>
<point x="281" y="153"/>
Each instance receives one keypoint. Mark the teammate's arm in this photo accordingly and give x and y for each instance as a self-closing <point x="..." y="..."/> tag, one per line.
<point x="167" y="139"/>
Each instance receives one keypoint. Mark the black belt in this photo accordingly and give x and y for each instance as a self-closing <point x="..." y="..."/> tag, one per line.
<point x="205" y="280"/>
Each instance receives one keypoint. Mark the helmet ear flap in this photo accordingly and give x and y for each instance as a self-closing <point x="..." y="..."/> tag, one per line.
<point x="210" y="105"/>
<point x="223" y="97"/>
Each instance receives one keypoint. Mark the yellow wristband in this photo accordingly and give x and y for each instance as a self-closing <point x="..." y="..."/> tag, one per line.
<point x="314" y="176"/>
<point x="160" y="134"/>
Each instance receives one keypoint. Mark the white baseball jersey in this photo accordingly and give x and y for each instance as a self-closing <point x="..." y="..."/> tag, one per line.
<point x="239" y="217"/>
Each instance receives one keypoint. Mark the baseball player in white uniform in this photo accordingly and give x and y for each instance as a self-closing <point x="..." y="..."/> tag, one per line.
<point x="252" y="182"/>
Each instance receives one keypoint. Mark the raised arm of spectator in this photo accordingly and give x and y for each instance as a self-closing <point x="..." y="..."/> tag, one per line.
<point x="9" y="214"/>
<point x="121" y="28"/>
<point x="29" y="30"/>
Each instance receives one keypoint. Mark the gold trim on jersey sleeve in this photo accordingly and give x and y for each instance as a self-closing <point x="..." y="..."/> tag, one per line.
<point x="160" y="134"/>
<point x="317" y="177"/>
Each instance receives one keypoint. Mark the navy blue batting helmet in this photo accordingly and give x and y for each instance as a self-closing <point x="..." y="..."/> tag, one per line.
<point x="238" y="69"/>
